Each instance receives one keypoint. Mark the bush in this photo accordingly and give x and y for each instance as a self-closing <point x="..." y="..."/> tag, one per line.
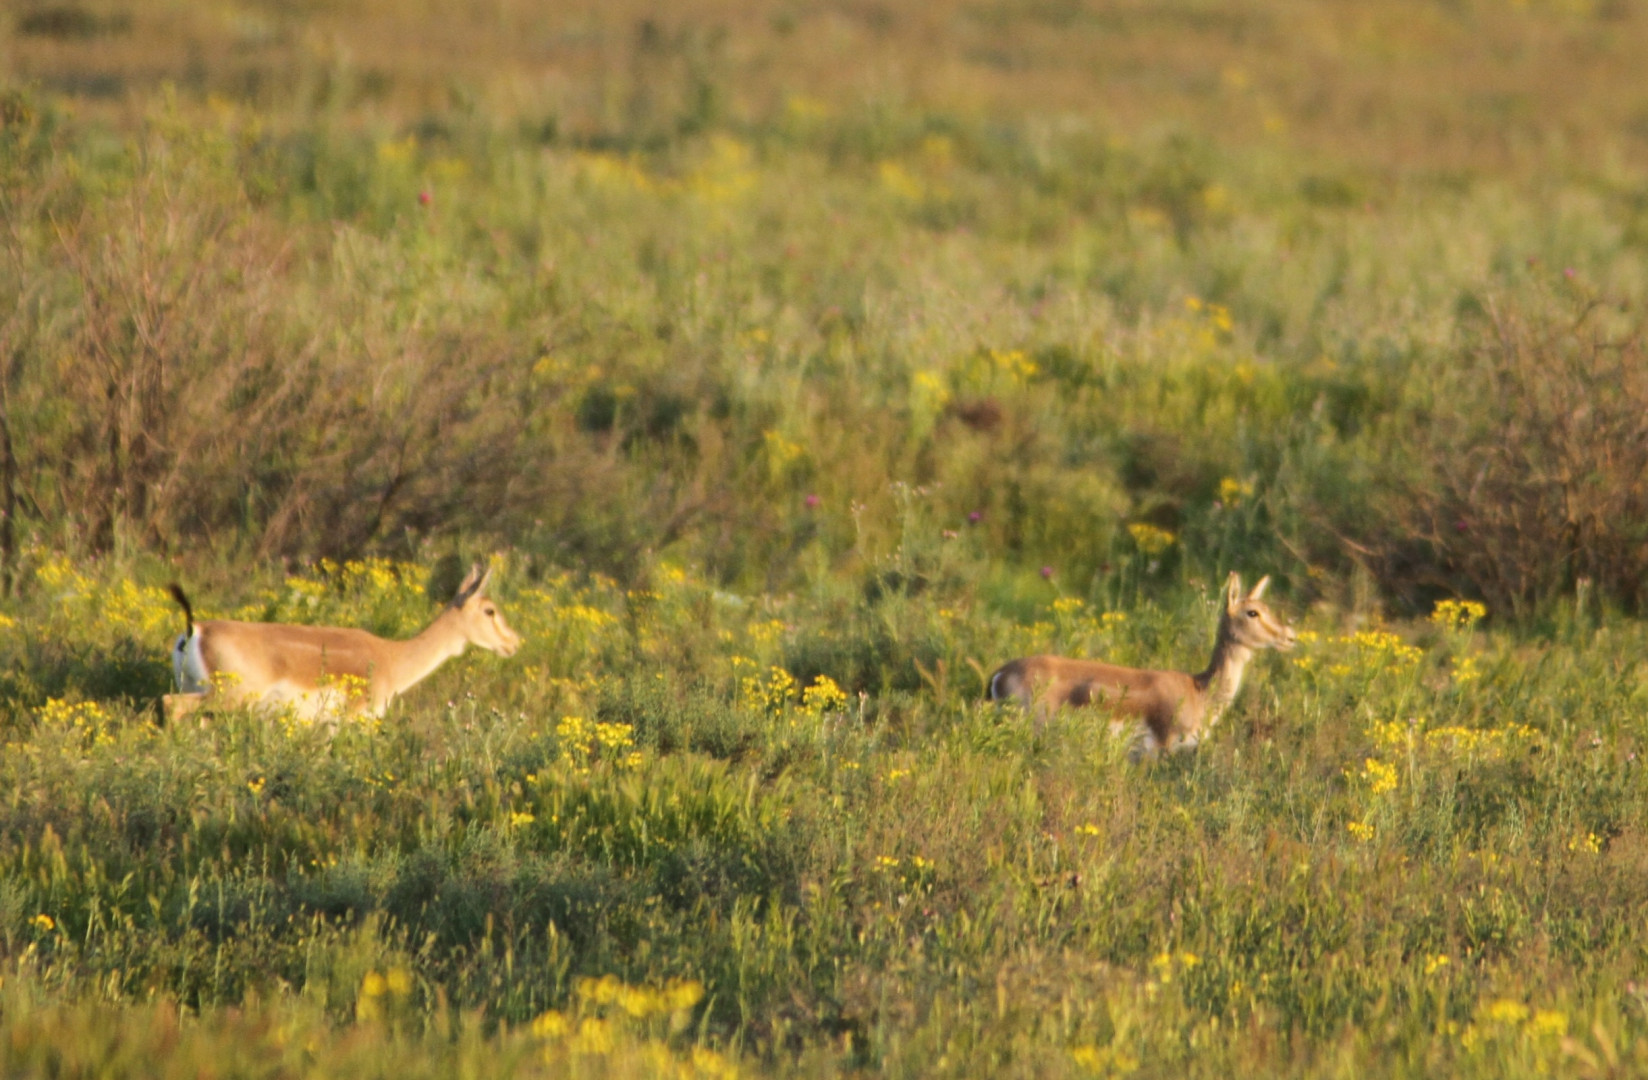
<point x="1530" y="465"/>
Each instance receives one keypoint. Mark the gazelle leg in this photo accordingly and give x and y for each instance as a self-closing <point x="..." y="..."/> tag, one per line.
<point x="174" y="707"/>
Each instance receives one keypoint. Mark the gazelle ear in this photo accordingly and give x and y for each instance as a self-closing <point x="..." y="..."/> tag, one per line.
<point x="473" y="582"/>
<point x="1259" y="587"/>
<point x="1233" y="589"/>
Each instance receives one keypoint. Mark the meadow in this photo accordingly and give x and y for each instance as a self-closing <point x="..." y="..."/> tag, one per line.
<point x="795" y="364"/>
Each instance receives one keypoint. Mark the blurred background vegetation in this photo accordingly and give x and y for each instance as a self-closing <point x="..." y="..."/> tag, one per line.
<point x="801" y="361"/>
<point x="611" y="281"/>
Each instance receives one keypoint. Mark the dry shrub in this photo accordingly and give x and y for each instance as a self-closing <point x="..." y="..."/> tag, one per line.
<point x="1532" y="473"/>
<point x="182" y="368"/>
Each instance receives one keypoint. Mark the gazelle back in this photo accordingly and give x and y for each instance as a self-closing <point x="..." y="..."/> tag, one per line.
<point x="1175" y="709"/>
<point x="326" y="669"/>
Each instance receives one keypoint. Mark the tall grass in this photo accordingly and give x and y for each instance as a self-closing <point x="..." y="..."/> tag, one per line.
<point x="1411" y="850"/>
<point x="598" y="356"/>
<point x="803" y="363"/>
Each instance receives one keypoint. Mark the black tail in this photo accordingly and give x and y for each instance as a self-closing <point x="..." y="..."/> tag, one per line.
<point x="188" y="609"/>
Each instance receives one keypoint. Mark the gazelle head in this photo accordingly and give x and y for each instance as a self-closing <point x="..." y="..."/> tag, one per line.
<point x="479" y="617"/>
<point x="1248" y="620"/>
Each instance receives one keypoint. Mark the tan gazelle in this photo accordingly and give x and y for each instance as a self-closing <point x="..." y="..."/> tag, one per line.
<point x="1175" y="709"/>
<point x="325" y="670"/>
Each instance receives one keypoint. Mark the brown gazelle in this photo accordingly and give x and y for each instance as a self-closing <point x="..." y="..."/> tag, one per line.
<point x="1175" y="709"/>
<point x="321" y="671"/>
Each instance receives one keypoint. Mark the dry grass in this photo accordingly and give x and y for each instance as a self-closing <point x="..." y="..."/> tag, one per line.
<point x="1398" y="85"/>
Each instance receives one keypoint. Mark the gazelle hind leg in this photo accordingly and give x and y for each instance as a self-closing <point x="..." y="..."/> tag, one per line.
<point x="175" y="707"/>
<point x="1141" y="741"/>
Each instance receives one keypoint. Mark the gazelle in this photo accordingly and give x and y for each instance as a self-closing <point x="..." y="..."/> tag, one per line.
<point x="1175" y="709"/>
<point x="324" y="670"/>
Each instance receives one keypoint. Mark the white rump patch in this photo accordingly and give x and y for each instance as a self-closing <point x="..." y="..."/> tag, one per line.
<point x="189" y="666"/>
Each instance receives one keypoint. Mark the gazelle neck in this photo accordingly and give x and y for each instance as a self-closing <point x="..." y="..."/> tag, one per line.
<point x="1223" y="676"/>
<point x="437" y="643"/>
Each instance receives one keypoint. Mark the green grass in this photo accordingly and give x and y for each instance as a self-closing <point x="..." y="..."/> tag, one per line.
<point x="1407" y="856"/>
<point x="800" y="364"/>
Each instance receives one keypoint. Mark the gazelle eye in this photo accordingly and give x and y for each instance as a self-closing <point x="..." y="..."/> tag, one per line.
<point x="1252" y="613"/>
<point x="489" y="611"/>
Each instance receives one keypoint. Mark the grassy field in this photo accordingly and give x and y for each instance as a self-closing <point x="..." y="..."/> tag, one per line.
<point x="797" y="364"/>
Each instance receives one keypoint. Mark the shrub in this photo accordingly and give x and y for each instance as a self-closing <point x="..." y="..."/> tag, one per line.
<point x="1529" y="465"/>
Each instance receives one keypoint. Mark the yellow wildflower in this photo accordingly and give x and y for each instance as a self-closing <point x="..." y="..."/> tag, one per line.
<point x="615" y="736"/>
<point x="769" y="695"/>
<point x="639" y="1001"/>
<point x="1548" y="1022"/>
<point x="1232" y="491"/>
<point x="594" y="1037"/>
<point x="602" y="991"/>
<point x="683" y="994"/>
<point x="549" y="1025"/>
<point x="1506" y="1011"/>
<point x="1106" y="1060"/>
<point x="1150" y="539"/>
<point x="823" y="696"/>
<point x="1458" y="614"/>
<point x="1378" y="775"/>
<point x="1014" y="362"/>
